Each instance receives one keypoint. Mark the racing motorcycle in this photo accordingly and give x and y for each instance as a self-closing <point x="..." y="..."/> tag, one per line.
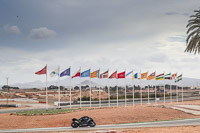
<point x="84" y="121"/>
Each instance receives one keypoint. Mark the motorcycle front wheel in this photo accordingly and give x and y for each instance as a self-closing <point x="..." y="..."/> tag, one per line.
<point x="92" y="124"/>
<point x="74" y="124"/>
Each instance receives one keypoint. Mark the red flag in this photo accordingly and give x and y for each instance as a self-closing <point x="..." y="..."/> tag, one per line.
<point x="114" y="75"/>
<point x="43" y="71"/>
<point x="78" y="74"/>
<point x="121" y="75"/>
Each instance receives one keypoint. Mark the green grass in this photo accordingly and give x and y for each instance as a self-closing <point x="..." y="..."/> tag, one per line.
<point x="45" y="112"/>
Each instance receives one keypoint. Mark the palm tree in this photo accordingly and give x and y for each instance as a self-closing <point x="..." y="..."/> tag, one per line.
<point x="193" y="39"/>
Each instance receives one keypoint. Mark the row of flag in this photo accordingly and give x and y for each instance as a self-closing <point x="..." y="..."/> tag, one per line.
<point x="96" y="74"/>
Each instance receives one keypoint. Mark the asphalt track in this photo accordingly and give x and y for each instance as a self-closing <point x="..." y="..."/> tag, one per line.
<point x="105" y="104"/>
<point x="182" y="122"/>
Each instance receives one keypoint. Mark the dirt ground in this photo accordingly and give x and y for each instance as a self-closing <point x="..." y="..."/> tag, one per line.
<point x="187" y="129"/>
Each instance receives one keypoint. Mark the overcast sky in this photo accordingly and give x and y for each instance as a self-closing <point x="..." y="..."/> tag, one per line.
<point x="144" y="35"/>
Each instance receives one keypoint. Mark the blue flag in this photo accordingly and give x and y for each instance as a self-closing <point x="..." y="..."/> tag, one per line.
<point x="135" y="76"/>
<point x="129" y="73"/>
<point x="86" y="73"/>
<point x="65" y="73"/>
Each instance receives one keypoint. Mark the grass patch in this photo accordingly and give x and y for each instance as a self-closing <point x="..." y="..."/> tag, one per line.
<point x="45" y="112"/>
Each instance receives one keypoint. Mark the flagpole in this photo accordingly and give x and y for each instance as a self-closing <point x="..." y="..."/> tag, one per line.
<point x="99" y="89"/>
<point x="90" y="93"/>
<point x="125" y="88"/>
<point x="176" y="90"/>
<point x="140" y="89"/>
<point x="117" y="91"/>
<point x="182" y="86"/>
<point x="148" y="87"/>
<point x="80" y="88"/>
<point x="108" y="90"/>
<point x="59" y="85"/>
<point x="46" y="92"/>
<point x="133" y="90"/>
<point x="171" y="88"/>
<point x="155" y="89"/>
<point x="164" y="87"/>
<point x="70" y="91"/>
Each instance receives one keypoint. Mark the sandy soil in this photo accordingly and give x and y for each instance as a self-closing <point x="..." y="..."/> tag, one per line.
<point x="101" y="116"/>
<point x="187" y="129"/>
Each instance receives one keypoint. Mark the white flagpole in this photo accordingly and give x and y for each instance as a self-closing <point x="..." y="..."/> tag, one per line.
<point x="133" y="89"/>
<point x="148" y="87"/>
<point x="164" y="87"/>
<point x="125" y="88"/>
<point x="182" y="86"/>
<point x="80" y="88"/>
<point x="140" y="89"/>
<point x="117" y="91"/>
<point x="108" y="90"/>
<point x="90" y="93"/>
<point x="99" y="89"/>
<point x="171" y="88"/>
<point x="59" y="85"/>
<point x="70" y="91"/>
<point x="176" y="90"/>
<point x="46" y="93"/>
<point x="155" y="88"/>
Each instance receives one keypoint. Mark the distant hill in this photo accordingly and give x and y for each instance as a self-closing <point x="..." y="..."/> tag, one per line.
<point x="103" y="82"/>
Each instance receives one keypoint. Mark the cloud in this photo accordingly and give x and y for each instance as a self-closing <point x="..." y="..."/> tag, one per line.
<point x="158" y="58"/>
<point x="11" y="29"/>
<point x="42" y="33"/>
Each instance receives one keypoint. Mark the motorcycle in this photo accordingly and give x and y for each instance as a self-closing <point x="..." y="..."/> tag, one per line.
<point x="83" y="122"/>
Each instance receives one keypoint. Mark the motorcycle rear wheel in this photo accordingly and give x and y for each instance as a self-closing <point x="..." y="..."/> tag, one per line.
<point x="74" y="124"/>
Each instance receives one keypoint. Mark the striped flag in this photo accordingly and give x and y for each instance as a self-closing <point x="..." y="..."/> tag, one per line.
<point x="178" y="78"/>
<point x="168" y="76"/>
<point x="160" y="77"/>
<point x="77" y="74"/>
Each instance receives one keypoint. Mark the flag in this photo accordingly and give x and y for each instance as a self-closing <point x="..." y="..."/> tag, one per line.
<point x="135" y="76"/>
<point x="178" y="78"/>
<point x="113" y="75"/>
<point x="152" y="76"/>
<point x="95" y="74"/>
<point x="77" y="74"/>
<point x="55" y="73"/>
<point x="144" y="75"/>
<point x="168" y="76"/>
<point x="121" y="75"/>
<point x="160" y="77"/>
<point x="86" y="73"/>
<point x="43" y="71"/>
<point x="129" y="73"/>
<point x="65" y="73"/>
<point x="173" y="76"/>
<point x="104" y="75"/>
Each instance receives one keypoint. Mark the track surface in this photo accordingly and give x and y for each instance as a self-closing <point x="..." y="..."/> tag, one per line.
<point x="113" y="103"/>
<point x="184" y="122"/>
